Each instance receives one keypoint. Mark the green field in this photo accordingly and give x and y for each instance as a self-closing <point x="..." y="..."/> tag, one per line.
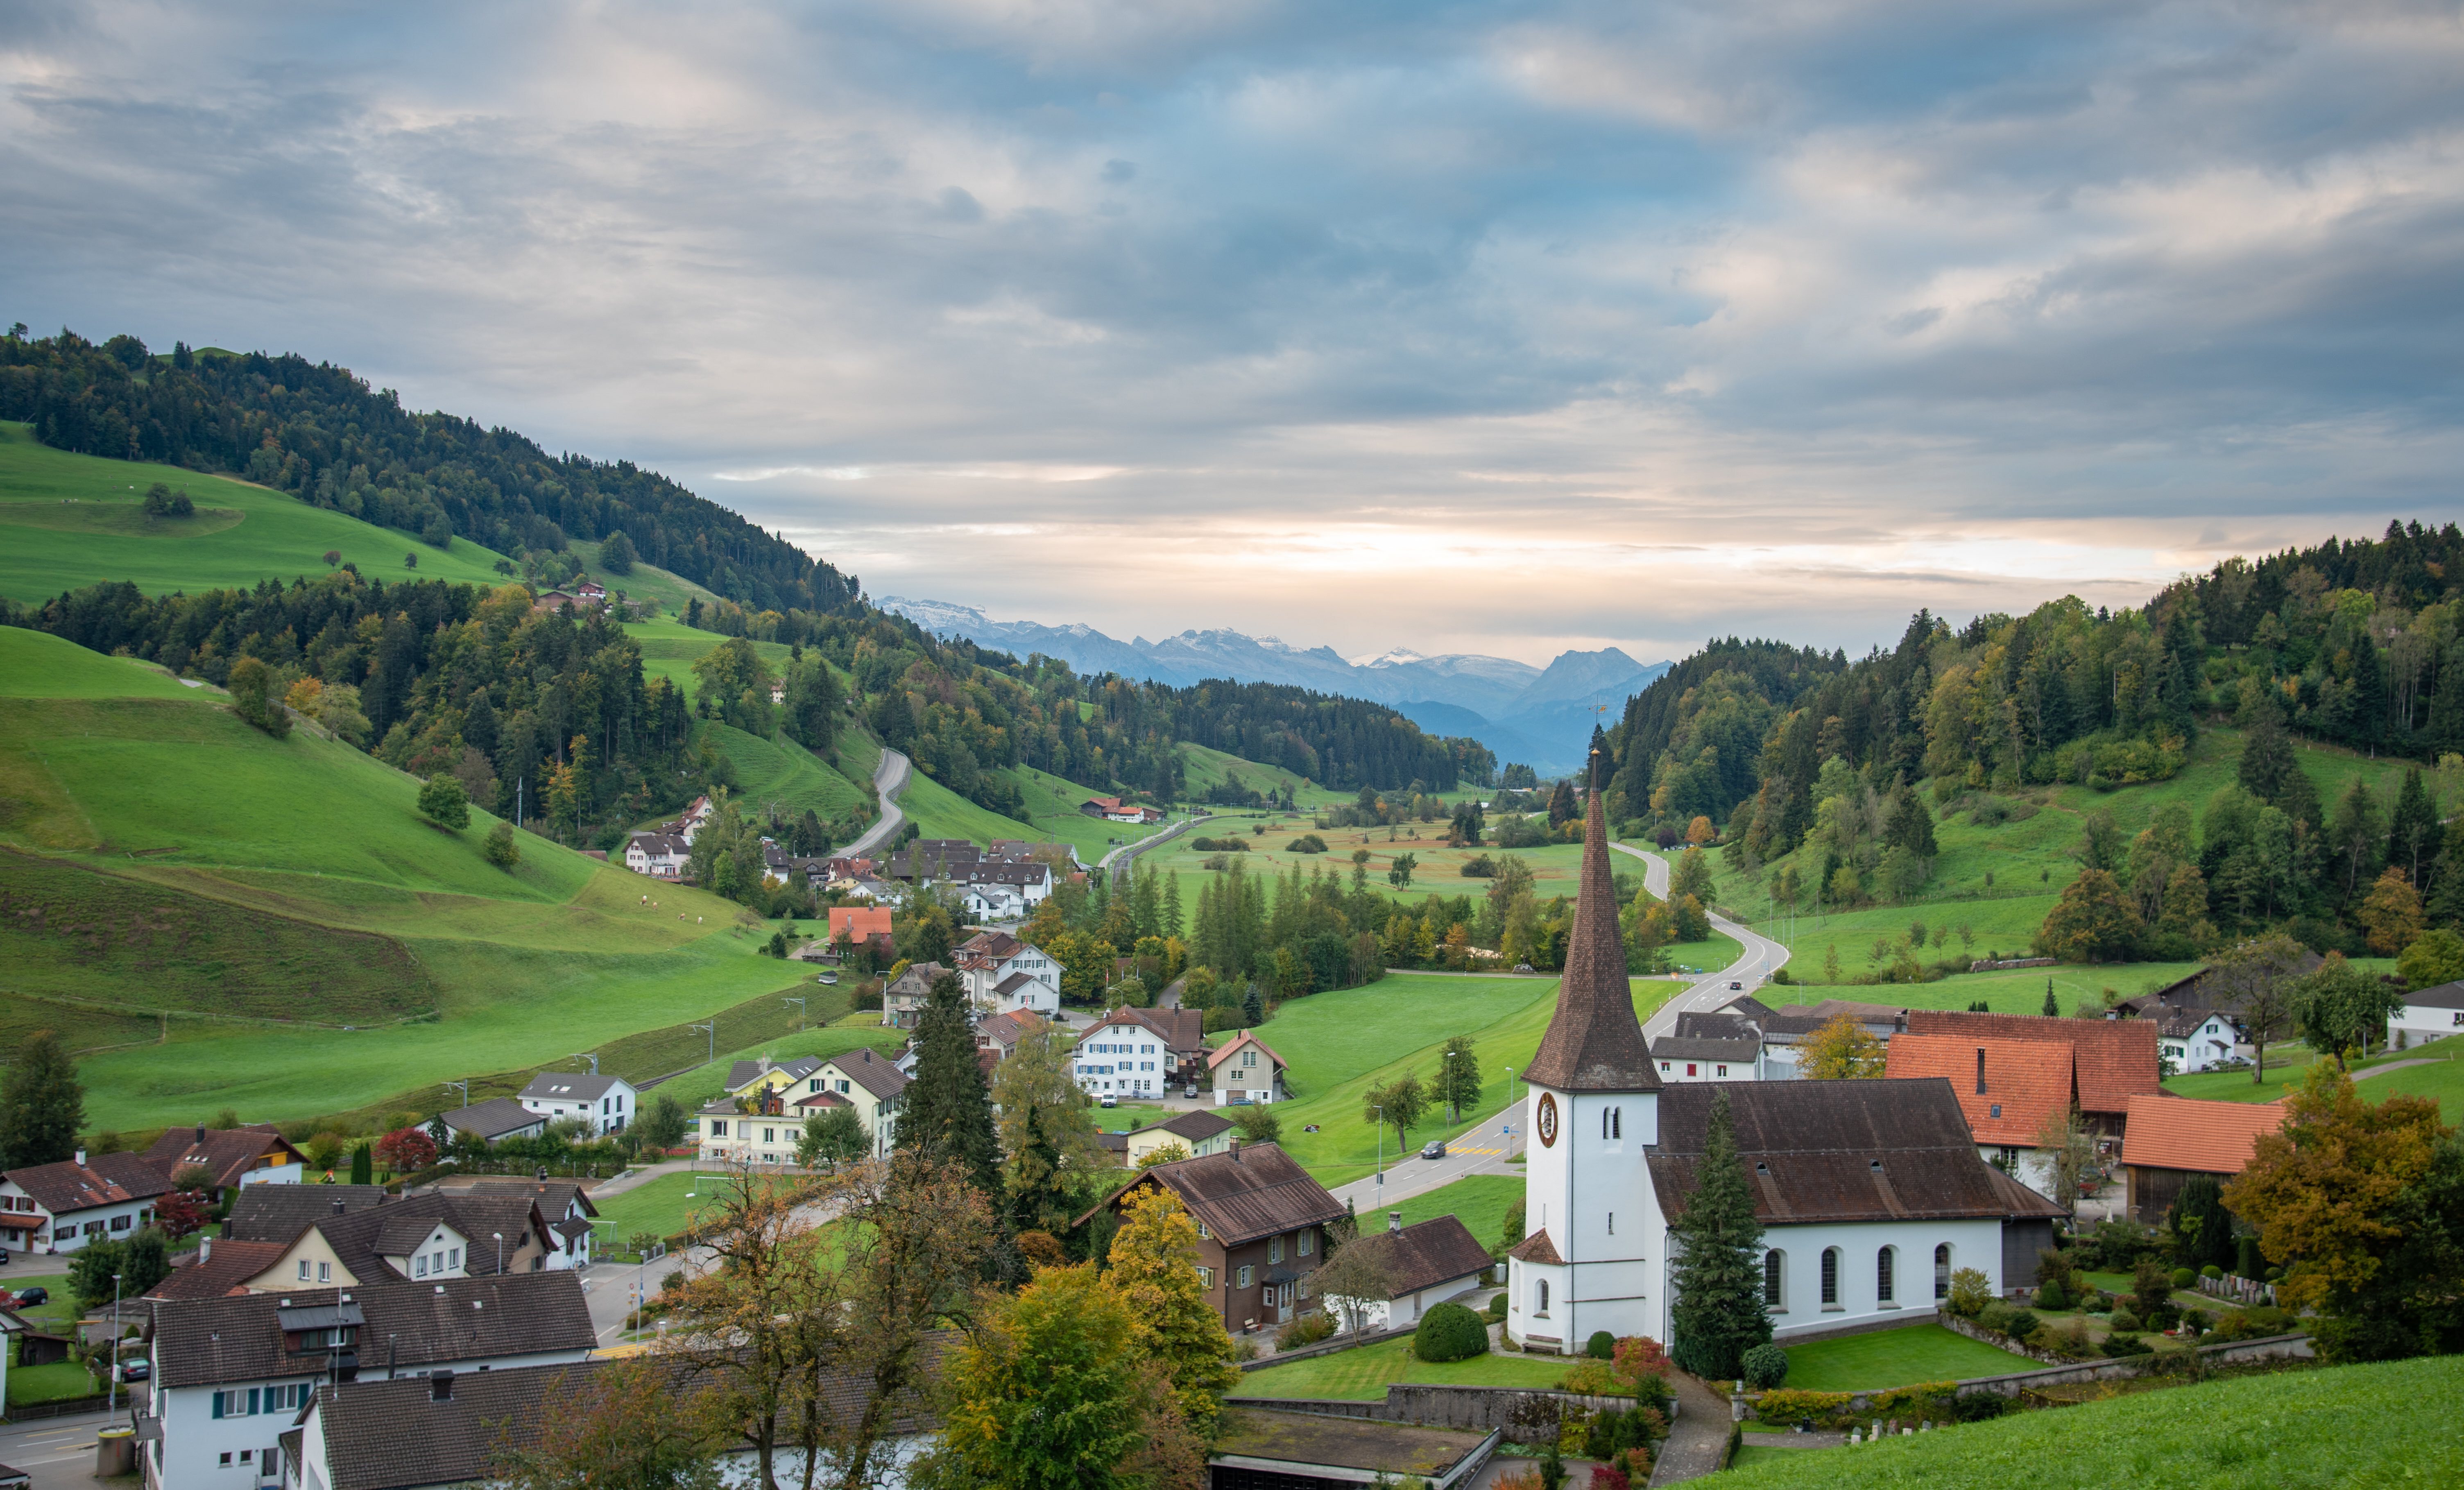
<point x="1362" y="1375"/>
<point x="1896" y="1358"/>
<point x="61" y="1381"/>
<point x="1202" y="769"/>
<point x="1480" y="1202"/>
<point x="645" y="583"/>
<point x="2305" y="1429"/>
<point x="1343" y="1042"/>
<point x="664" y="1205"/>
<point x="2288" y="1066"/>
<point x="784" y="774"/>
<point x="208" y="880"/>
<point x="71" y="520"/>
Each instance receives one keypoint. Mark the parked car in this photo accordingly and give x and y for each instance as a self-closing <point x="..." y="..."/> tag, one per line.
<point x="1108" y="1101"/>
<point x="1434" y="1148"/>
<point x="1190" y="1090"/>
<point x="1733" y="983"/>
<point x="27" y="1298"/>
<point x="138" y="1370"/>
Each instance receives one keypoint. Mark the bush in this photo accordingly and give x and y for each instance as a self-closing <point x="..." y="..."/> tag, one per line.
<point x="2118" y="1346"/>
<point x="1497" y="1306"/>
<point x="1601" y="1346"/>
<point x="500" y="849"/>
<point x="2021" y="1325"/>
<point x="1980" y="1407"/>
<point x="2098" y="1302"/>
<point x="1450" y="1332"/>
<point x="2183" y="1277"/>
<point x="443" y="802"/>
<point x="1971" y="1291"/>
<point x="2211" y="1271"/>
<point x="1766" y="1366"/>
<point x="1306" y="843"/>
<point x="1995" y="1315"/>
<point x="2051" y="1299"/>
<point x="1788" y="1408"/>
<point x="1306" y="1330"/>
<point x="2125" y="1323"/>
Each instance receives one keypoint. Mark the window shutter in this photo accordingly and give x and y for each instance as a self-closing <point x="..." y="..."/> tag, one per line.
<point x="218" y="1404"/>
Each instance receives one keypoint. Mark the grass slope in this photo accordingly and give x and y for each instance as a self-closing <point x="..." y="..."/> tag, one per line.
<point x="1480" y="1202"/>
<point x="1896" y="1358"/>
<point x="152" y="826"/>
<point x="2297" y="1430"/>
<point x="1201" y="770"/>
<point x="1362" y="1375"/>
<point x="784" y="773"/>
<point x="71" y="519"/>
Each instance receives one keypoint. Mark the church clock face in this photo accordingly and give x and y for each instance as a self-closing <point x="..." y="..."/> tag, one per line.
<point x="1548" y="1121"/>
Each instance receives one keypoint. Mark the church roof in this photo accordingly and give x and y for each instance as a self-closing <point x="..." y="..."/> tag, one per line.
<point x="1536" y="1248"/>
<point x="1593" y="1042"/>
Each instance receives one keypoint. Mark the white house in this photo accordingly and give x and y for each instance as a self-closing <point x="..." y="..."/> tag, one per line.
<point x="2195" y="1039"/>
<point x="1123" y="1056"/>
<point x="1427" y="1264"/>
<point x="662" y="856"/>
<point x="61" y="1207"/>
<point x="605" y="1102"/>
<point x="230" y="1375"/>
<point x="1701" y="1058"/>
<point x="994" y="903"/>
<point x="1004" y="975"/>
<point x="763" y="1114"/>
<point x="1871" y="1193"/>
<point x="1245" y="1070"/>
<point x="2428" y="1014"/>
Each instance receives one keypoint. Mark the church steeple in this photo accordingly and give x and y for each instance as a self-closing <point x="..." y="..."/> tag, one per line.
<point x="1593" y="1042"/>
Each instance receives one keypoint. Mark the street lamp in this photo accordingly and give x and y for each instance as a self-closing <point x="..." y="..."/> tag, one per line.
<point x="1382" y="1147"/>
<point x="1509" y="1113"/>
<point x="111" y="1401"/>
<point x="1454" y="1098"/>
<point x="713" y="1027"/>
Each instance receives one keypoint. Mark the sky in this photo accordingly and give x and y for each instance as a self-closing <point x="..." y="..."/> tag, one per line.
<point x="1502" y="328"/>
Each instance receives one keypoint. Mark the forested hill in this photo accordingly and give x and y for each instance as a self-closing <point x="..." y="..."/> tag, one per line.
<point x="316" y="430"/>
<point x="2350" y="643"/>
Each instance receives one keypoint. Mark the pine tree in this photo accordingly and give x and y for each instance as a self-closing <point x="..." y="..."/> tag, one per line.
<point x="1253" y="1008"/>
<point x="1171" y="904"/>
<point x="948" y="1112"/>
<point x="2267" y="755"/>
<point x="1911" y="827"/>
<point x="364" y="1168"/>
<point x="1718" y="1315"/>
<point x="41" y="1104"/>
<point x="2414" y="834"/>
<point x="2053" y="1008"/>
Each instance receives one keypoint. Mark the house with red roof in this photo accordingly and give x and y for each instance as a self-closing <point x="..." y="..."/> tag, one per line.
<point x="1244" y="1070"/>
<point x="2171" y="1139"/>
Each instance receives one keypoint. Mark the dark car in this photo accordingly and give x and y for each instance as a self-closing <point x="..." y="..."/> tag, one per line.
<point x="28" y="1297"/>
<point x="139" y="1369"/>
<point x="1434" y="1148"/>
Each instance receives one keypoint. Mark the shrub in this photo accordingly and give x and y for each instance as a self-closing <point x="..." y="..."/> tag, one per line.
<point x="1601" y="1346"/>
<point x="1971" y="1291"/>
<point x="2125" y="1323"/>
<point x="1787" y="1407"/>
<point x="1306" y="843"/>
<point x="2270" y="1319"/>
<point x="1980" y="1407"/>
<point x="2118" y="1346"/>
<point x="1497" y="1306"/>
<point x="1995" y="1315"/>
<point x="500" y="849"/>
<point x="443" y="802"/>
<point x="1608" y="1477"/>
<point x="1306" y="1330"/>
<point x="2021" y="1325"/>
<point x="2098" y="1302"/>
<point x="1450" y="1332"/>
<point x="1592" y="1378"/>
<point x="2066" y="1337"/>
<point x="1766" y="1366"/>
<point x="2211" y="1271"/>
<point x="2051" y="1298"/>
<point x="2183" y="1277"/>
<point x="1606" y="1426"/>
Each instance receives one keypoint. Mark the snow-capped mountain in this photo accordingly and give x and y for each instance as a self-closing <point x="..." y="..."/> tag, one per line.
<point x="1542" y="718"/>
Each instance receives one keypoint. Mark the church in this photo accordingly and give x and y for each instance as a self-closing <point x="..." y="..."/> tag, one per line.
<point x="1870" y="1192"/>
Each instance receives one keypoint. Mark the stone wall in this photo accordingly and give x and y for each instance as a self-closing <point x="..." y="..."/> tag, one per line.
<point x="1522" y="1417"/>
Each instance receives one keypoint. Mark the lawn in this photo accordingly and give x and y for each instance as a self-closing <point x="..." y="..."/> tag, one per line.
<point x="1363" y="1374"/>
<point x="2305" y="1429"/>
<point x="61" y="1381"/>
<point x="1896" y="1358"/>
<point x="1129" y="1115"/>
<point x="1480" y="1202"/>
<point x="72" y="521"/>
<point x="2288" y="1066"/>
<point x="664" y="1205"/>
<point x="784" y="773"/>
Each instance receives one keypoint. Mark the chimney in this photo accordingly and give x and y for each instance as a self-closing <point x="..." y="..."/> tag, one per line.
<point x="205" y="1248"/>
<point x="1236" y="1151"/>
<point x="201" y="1133"/>
<point x="338" y="1205"/>
<point x="1395" y="1224"/>
<point x="81" y="1158"/>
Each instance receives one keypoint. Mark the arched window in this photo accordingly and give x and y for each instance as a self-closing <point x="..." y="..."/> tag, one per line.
<point x="1883" y="1261"/>
<point x="1831" y="1278"/>
<point x="1775" y="1269"/>
<point x="1612" y="1123"/>
<point x="1942" y="1271"/>
<point x="1540" y="1297"/>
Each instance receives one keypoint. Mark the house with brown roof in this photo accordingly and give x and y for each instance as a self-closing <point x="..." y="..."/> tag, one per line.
<point x="1200" y="1132"/>
<point x="416" y="1238"/>
<point x="1134" y="1051"/>
<point x="1427" y="1264"/>
<point x="903" y="1000"/>
<point x="61" y="1207"/>
<point x="2173" y="1138"/>
<point x="1004" y="975"/>
<point x="1245" y="1070"/>
<point x="1261" y="1227"/>
<point x="251" y="1154"/>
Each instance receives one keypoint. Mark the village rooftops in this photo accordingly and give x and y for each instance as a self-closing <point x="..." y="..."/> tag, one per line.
<point x="1428" y="1253"/>
<point x="2441" y="995"/>
<point x="492" y="1119"/>
<point x="219" y="1268"/>
<point x="2007" y="1089"/>
<point x="1740" y="1050"/>
<point x="2115" y="1058"/>
<point x="1242" y="1194"/>
<point x="1196" y="1126"/>
<point x="1874" y="1150"/>
<point x="569" y="1087"/>
<point x="201" y="1342"/>
<point x="744" y="1073"/>
<point x="2170" y="1132"/>
<point x="279" y="1212"/>
<point x="106" y="1179"/>
<point x="227" y="1153"/>
<point x="1245" y="1039"/>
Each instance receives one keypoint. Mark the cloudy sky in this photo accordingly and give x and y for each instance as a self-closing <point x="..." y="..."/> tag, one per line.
<point x="1504" y="328"/>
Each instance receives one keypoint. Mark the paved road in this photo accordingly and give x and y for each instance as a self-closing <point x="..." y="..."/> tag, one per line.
<point x="58" y="1451"/>
<point x="1762" y="957"/>
<point x="889" y="777"/>
<point x="1125" y="852"/>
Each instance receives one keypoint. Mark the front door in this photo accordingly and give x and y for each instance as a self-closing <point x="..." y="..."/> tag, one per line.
<point x="1283" y="1303"/>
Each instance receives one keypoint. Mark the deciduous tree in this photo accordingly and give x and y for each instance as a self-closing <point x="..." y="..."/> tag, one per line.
<point x="2255" y="979"/>
<point x="1843" y="1049"/>
<point x="443" y="802"/>
<point x="1153" y="1267"/>
<point x="620" y="1425"/>
<point x="1046" y="1395"/>
<point x="1398" y="1105"/>
<point x="2093" y="922"/>
<point x="2392" y="913"/>
<point x="2340" y="1007"/>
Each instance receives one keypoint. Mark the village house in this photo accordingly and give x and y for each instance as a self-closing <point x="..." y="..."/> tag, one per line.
<point x="1261" y="1227"/>
<point x="1870" y="1194"/>
<point x="662" y="856"/>
<point x="563" y="1204"/>
<point x="2170" y="1139"/>
<point x="763" y="1113"/>
<point x="1130" y="1051"/>
<point x="2427" y="1014"/>
<point x="1200" y="1132"/>
<point x="860" y="926"/>
<point x="1709" y="1049"/>
<point x="497" y="1117"/>
<point x="1002" y="1034"/>
<point x="1426" y="1264"/>
<point x="414" y="1238"/>
<point x="231" y="1375"/>
<point x="604" y="1102"/>
<point x="904" y="998"/>
<point x="1245" y="1070"/>
<point x="1004" y="974"/>
<point x="61" y="1207"/>
<point x="232" y="1157"/>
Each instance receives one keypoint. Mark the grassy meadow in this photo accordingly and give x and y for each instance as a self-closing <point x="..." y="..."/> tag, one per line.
<point x="1480" y="1202"/>
<point x="73" y="519"/>
<point x="1896" y="1358"/>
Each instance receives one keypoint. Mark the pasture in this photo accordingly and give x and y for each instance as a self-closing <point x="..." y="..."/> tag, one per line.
<point x="1896" y="1358"/>
<point x="71" y="520"/>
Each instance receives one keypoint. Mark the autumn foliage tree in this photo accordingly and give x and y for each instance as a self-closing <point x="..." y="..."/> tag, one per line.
<point x="1843" y="1049"/>
<point x="406" y="1150"/>
<point x="1153" y="1267"/>
<point x="2093" y="922"/>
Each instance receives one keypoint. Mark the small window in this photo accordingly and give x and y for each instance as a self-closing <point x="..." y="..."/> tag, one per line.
<point x="1307" y="1241"/>
<point x="1724" y="1070"/>
<point x="719" y="1128"/>
<point x="419" y="1265"/>
<point x="1980" y="1070"/>
<point x="1997" y="1109"/>
<point x="1942" y="1271"/>
<point x="1540" y="1295"/>
<point x="324" y="1272"/>
<point x="1206" y="1277"/>
<point x="1831" y="1278"/>
<point x="1274" y="1249"/>
<point x="1774" y="1267"/>
<point x="1882" y="1268"/>
<point x="303" y="1270"/>
<point x="1691" y="1069"/>
<point x="1663" y="1066"/>
<point x="1248" y="1275"/>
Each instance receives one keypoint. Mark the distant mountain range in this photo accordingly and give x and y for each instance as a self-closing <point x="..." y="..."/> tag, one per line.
<point x="1541" y="717"/>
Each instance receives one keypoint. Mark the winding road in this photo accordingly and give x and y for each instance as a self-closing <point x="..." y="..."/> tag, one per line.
<point x="1762" y="956"/>
<point x="889" y="778"/>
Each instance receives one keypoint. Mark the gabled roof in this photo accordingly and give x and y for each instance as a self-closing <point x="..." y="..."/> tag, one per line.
<point x="1008" y="1029"/>
<point x="1223" y="1052"/>
<point x="492" y="1119"/>
<point x="1593" y="1042"/>
<point x="2169" y="1133"/>
<point x="1016" y="981"/>
<point x="1536" y="1248"/>
<point x="1181" y="1030"/>
<point x="2180" y="1021"/>
<point x="222" y="1268"/>
<point x="2115" y="1058"/>
<point x="239" y="1339"/>
<point x="1440" y="1249"/>
<point x="1741" y="1049"/>
<point x="227" y="1152"/>
<point x="916" y="982"/>
<point x="1242" y="1194"/>
<point x="1848" y="1151"/>
<point x="279" y="1212"/>
<point x="363" y="1239"/>
<point x="2026" y="1081"/>
<point x="870" y="1070"/>
<point x="554" y="1197"/>
<point x="990" y="947"/>
<point x="2442" y="995"/>
<point x="1196" y="1126"/>
<point x="660" y="844"/>
<point x="570" y="1086"/>
<point x="744" y="1073"/>
<point x="104" y="1179"/>
<point x="858" y="922"/>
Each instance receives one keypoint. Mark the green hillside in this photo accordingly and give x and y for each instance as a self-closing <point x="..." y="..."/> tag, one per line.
<point x="1202" y="769"/>
<point x="179" y="876"/>
<point x="72" y="519"/>
<point x="782" y="773"/>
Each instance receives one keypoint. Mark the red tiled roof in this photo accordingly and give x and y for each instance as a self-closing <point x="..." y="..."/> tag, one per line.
<point x="2167" y="1133"/>
<point x="1536" y="1248"/>
<point x="1245" y="1037"/>
<point x="2115" y="1059"/>
<point x="2026" y="1081"/>
<point x="225" y="1269"/>
<point x="858" y="922"/>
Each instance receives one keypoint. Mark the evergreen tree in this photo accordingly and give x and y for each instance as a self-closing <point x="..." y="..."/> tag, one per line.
<point x="947" y="1114"/>
<point x="1172" y="922"/>
<point x="2445" y="733"/>
<point x="617" y="555"/>
<point x="2267" y="754"/>
<point x="1718" y="1315"/>
<point x="2053" y="1008"/>
<point x="41" y="1104"/>
<point x="364" y="1168"/>
<point x="1253" y="1008"/>
<point x="2414" y="833"/>
<point x="1911" y="827"/>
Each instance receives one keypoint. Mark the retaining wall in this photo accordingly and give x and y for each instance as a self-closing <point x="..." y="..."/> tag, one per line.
<point x="1522" y="1417"/>
<point x="1367" y="1337"/>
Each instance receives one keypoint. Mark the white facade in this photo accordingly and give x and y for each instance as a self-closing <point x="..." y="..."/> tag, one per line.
<point x="2428" y="1014"/>
<point x="2209" y="1045"/>
<point x="998" y="903"/>
<point x="1674" y="1070"/>
<point x="26" y="1226"/>
<point x="607" y="1111"/>
<point x="656" y="855"/>
<point x="1587" y="1188"/>
<point x="1121" y="1058"/>
<point x="1826" y="1276"/>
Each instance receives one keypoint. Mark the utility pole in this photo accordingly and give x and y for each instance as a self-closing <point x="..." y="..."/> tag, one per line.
<point x="800" y="1009"/>
<point x="466" y="1090"/>
<point x="592" y="1058"/>
<point x="1381" y="1149"/>
<point x="713" y="1027"/>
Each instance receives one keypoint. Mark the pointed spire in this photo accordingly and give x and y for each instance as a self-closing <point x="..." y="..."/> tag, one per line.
<point x="1593" y="1042"/>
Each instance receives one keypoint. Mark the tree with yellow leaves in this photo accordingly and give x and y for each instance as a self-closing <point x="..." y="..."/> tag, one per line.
<point x="1841" y="1050"/>
<point x="1155" y="1269"/>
